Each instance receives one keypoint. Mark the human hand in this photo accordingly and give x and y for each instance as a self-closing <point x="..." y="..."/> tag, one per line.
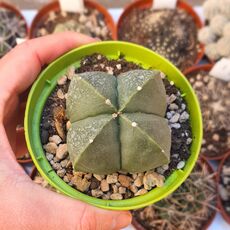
<point x="25" y="205"/>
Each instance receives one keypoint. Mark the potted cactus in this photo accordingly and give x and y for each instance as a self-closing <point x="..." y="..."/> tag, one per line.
<point x="214" y="97"/>
<point x="113" y="126"/>
<point x="13" y="26"/>
<point x="177" y="41"/>
<point x="215" y="34"/>
<point x="223" y="178"/>
<point x="191" y="206"/>
<point x="94" y="21"/>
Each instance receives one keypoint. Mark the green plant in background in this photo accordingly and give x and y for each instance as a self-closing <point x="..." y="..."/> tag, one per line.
<point x="189" y="207"/>
<point x="117" y="123"/>
<point x="11" y="28"/>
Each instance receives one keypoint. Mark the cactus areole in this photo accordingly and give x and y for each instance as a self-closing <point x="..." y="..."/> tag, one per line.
<point x="118" y="123"/>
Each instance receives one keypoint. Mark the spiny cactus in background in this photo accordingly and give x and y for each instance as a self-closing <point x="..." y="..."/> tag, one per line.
<point x="117" y="123"/>
<point x="189" y="207"/>
<point x="11" y="28"/>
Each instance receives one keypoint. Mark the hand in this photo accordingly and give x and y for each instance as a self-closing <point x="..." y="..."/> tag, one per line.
<point x="25" y="205"/>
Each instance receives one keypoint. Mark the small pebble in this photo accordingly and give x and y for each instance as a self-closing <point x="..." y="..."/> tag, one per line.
<point x="175" y="118"/>
<point x="125" y="180"/>
<point x="189" y="141"/>
<point x="173" y="106"/>
<point x="141" y="192"/>
<point x="68" y="125"/>
<point x="62" y="80"/>
<point x="133" y="188"/>
<point x="111" y="179"/>
<point x="175" y="126"/>
<point x="96" y="193"/>
<point x="49" y="156"/>
<point x="116" y="196"/>
<point x="181" y="165"/>
<point x="64" y="163"/>
<point x="104" y="186"/>
<point x="60" y="94"/>
<point x="184" y="117"/>
<point x="122" y="190"/>
<point x="61" y="172"/>
<point x="99" y="177"/>
<point x="50" y="147"/>
<point x="55" y="139"/>
<point x="62" y="151"/>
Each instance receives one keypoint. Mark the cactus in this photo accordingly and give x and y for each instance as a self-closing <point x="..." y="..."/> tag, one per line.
<point x="11" y="28"/>
<point x="117" y="123"/>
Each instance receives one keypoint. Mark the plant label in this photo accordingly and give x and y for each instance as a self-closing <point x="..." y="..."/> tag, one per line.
<point x="73" y="6"/>
<point x="20" y="40"/>
<point x="164" y="4"/>
<point x="221" y="69"/>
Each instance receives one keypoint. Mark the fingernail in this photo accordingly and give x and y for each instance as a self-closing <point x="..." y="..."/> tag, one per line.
<point x="122" y="220"/>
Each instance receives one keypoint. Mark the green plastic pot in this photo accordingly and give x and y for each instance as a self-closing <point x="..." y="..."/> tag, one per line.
<point x="46" y="83"/>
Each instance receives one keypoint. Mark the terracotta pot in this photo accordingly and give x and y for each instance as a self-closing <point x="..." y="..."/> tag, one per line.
<point x="54" y="6"/>
<point x="33" y="172"/>
<point x="194" y="69"/>
<point x="12" y="8"/>
<point x="143" y="4"/>
<point x="138" y="226"/>
<point x="21" y="147"/>
<point x="225" y="215"/>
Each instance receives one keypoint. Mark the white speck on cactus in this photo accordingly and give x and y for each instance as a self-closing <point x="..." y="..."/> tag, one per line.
<point x="134" y="124"/>
<point x="90" y="140"/>
<point x="139" y="88"/>
<point x="79" y="78"/>
<point x="108" y="102"/>
<point x="114" y="115"/>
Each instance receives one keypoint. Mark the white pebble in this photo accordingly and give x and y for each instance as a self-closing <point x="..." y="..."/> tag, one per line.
<point x="108" y="102"/>
<point x="175" y="118"/>
<point x="180" y="165"/>
<point x="134" y="124"/>
<point x="139" y="88"/>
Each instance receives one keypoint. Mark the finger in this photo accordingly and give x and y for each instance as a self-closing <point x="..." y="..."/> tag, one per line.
<point x="21" y="66"/>
<point x="55" y="211"/>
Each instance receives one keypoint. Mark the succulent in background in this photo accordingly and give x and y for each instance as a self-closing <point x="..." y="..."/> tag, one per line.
<point x="117" y="123"/>
<point x="189" y="207"/>
<point x="11" y="28"/>
<point x="215" y="35"/>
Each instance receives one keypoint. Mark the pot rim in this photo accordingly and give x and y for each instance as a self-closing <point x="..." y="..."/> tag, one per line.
<point x="201" y="160"/>
<point x="111" y="49"/>
<point x="206" y="67"/>
<point x="91" y="4"/>
<point x="225" y="215"/>
<point x="180" y="4"/>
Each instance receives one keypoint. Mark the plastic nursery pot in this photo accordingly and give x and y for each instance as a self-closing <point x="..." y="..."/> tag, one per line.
<point x="195" y="69"/>
<point x="202" y="160"/>
<point x="12" y="8"/>
<point x="21" y="148"/>
<point x="46" y="83"/>
<point x="54" y="6"/>
<point x="145" y="4"/>
<point x="225" y="215"/>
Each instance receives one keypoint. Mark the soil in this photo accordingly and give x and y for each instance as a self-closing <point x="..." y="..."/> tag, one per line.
<point x="90" y="22"/>
<point x="120" y="185"/>
<point x="224" y="187"/>
<point x="171" y="33"/>
<point x="11" y="28"/>
<point x="214" y="97"/>
<point x="191" y="206"/>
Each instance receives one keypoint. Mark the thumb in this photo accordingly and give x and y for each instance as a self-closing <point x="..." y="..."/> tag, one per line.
<point x="55" y="211"/>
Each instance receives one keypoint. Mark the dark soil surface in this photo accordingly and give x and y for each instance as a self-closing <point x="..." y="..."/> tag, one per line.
<point x="55" y="124"/>
<point x="171" y="33"/>
<point x="214" y="97"/>
<point x="224" y="187"/>
<point x="90" y="22"/>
